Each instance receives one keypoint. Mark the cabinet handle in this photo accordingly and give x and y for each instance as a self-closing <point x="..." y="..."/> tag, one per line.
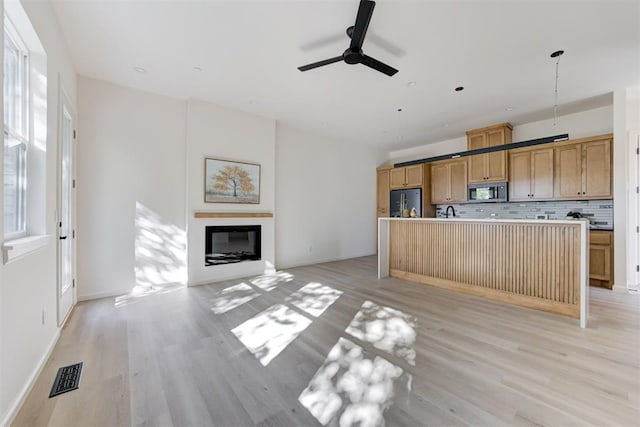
<point x="578" y="193"/>
<point x="584" y="192"/>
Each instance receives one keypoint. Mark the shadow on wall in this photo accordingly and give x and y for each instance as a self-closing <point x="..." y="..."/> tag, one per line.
<point x="160" y="256"/>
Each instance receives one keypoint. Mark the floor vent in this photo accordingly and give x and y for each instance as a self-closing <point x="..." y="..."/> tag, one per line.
<point x="67" y="379"/>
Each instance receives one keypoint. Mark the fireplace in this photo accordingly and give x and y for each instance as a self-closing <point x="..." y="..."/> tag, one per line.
<point x="231" y="244"/>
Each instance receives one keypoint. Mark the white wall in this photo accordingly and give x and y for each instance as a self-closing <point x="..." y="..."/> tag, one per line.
<point x="626" y="119"/>
<point x="326" y="198"/>
<point x="221" y="133"/>
<point x="29" y="284"/>
<point x="131" y="169"/>
<point x="578" y="125"/>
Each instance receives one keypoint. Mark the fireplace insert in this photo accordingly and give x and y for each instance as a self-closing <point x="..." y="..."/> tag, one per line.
<point x="231" y="244"/>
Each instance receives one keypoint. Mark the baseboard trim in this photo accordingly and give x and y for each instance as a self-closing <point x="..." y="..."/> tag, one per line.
<point x="20" y="399"/>
<point x="107" y="294"/>
<point x="303" y="263"/>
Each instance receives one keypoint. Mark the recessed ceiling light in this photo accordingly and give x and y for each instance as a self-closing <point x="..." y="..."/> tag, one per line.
<point x="140" y="70"/>
<point x="199" y="69"/>
<point x="411" y="84"/>
<point x="459" y="89"/>
<point x="508" y="109"/>
<point x="399" y="110"/>
<point x="446" y="125"/>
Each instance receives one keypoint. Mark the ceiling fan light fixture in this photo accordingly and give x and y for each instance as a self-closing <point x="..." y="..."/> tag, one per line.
<point x="459" y="89"/>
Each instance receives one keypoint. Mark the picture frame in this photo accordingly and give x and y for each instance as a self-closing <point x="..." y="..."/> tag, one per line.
<point x="231" y="181"/>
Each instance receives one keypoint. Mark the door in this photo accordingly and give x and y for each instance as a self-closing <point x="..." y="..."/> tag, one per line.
<point x="520" y="176"/>
<point x="477" y="172"/>
<point x="497" y="161"/>
<point x="568" y="174"/>
<point x="413" y="175"/>
<point x="542" y="174"/>
<point x="597" y="169"/>
<point x="66" y="210"/>
<point x="458" y="181"/>
<point x="383" y="193"/>
<point x="439" y="183"/>
<point x="396" y="178"/>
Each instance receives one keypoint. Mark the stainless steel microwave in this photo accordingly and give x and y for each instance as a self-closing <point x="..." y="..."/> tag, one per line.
<point x="489" y="192"/>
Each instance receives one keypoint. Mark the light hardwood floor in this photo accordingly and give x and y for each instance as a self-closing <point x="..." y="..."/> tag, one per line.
<point x="413" y="354"/>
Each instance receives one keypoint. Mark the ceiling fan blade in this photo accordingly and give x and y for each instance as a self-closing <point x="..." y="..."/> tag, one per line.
<point x="365" y="10"/>
<point x="377" y="65"/>
<point x="320" y="63"/>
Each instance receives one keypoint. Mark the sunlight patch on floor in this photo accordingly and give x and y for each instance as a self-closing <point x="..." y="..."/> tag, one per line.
<point x="351" y="386"/>
<point x="387" y="329"/>
<point x="271" y="280"/>
<point x="233" y="297"/>
<point x="314" y="298"/>
<point x="268" y="333"/>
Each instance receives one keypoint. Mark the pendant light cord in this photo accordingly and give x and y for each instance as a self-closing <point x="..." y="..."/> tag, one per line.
<point x="556" y="55"/>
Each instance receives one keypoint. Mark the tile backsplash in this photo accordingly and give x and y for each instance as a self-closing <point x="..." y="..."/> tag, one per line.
<point x="599" y="212"/>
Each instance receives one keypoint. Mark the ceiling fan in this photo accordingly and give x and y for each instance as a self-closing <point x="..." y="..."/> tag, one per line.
<point x="354" y="53"/>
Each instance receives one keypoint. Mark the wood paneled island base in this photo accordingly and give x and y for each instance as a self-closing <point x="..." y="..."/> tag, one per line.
<point x="535" y="264"/>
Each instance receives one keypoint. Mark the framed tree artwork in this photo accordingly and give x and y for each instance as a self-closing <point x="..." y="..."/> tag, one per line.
<point x="227" y="181"/>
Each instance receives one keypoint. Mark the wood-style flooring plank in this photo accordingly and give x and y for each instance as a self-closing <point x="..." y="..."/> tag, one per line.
<point x="169" y="359"/>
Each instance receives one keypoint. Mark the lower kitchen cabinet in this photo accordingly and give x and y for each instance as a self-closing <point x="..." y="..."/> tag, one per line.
<point x="601" y="258"/>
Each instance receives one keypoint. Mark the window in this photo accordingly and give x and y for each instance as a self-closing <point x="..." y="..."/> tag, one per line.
<point x="16" y="131"/>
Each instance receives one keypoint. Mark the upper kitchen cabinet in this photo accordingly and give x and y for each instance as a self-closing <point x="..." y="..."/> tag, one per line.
<point x="531" y="174"/>
<point x="383" y="192"/>
<point x="488" y="167"/>
<point x="449" y="181"/>
<point x="583" y="170"/>
<point x="406" y="177"/>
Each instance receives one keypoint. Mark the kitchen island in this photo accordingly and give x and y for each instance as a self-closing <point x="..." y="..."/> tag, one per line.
<point x="541" y="264"/>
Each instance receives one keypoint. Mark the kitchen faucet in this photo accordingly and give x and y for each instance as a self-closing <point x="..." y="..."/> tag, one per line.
<point x="453" y="210"/>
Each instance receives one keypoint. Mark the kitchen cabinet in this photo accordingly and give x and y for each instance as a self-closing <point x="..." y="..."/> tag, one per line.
<point x="531" y="174"/>
<point x="488" y="167"/>
<point x="382" y="192"/>
<point x="449" y="181"/>
<point x="583" y="170"/>
<point x="406" y="177"/>
<point x="601" y="258"/>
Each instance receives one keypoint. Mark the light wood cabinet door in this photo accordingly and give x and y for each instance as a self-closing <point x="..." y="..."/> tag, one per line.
<point x="383" y="193"/>
<point x="396" y="178"/>
<point x="496" y="163"/>
<point x="520" y="176"/>
<point x="476" y="164"/>
<point x="413" y="175"/>
<point x="596" y="179"/>
<point x="458" y="182"/>
<point x="542" y="174"/>
<point x="568" y="172"/>
<point x="601" y="258"/>
<point x="439" y="183"/>
<point x="600" y="262"/>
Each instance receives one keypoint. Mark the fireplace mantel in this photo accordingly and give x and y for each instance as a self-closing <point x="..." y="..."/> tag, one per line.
<point x="202" y="214"/>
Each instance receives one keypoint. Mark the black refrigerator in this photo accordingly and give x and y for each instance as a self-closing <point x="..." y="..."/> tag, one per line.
<point x="405" y="200"/>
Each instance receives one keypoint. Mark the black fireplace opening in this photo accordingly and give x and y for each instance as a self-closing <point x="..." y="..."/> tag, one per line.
<point x="229" y="244"/>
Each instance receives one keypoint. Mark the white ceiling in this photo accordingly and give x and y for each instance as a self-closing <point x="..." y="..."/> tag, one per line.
<point x="249" y="50"/>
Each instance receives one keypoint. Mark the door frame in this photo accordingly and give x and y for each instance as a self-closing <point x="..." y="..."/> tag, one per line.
<point x="633" y="214"/>
<point x="64" y="101"/>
